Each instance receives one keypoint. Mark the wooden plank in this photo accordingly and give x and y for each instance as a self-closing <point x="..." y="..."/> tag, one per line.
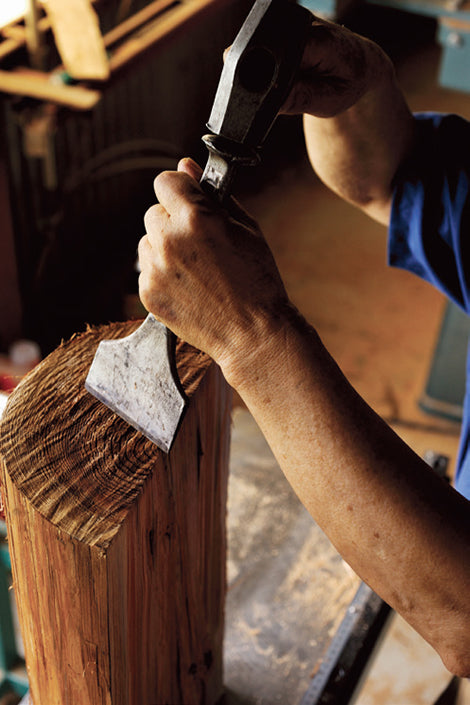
<point x="137" y="20"/>
<point x="162" y="29"/>
<point x="455" y="24"/>
<point x="78" y="38"/>
<point x="16" y="32"/>
<point x="8" y="46"/>
<point x="34" y="39"/>
<point x="118" y="550"/>
<point x="36" y="84"/>
<point x="15" y="36"/>
<point x="168" y="16"/>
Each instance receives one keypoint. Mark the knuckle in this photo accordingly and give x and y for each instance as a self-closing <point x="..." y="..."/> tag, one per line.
<point x="144" y="255"/>
<point x="162" y="178"/>
<point x="193" y="216"/>
<point x="200" y="215"/>
<point x="168" y="249"/>
<point x="152" y="216"/>
<point x="144" y="290"/>
<point x="141" y="248"/>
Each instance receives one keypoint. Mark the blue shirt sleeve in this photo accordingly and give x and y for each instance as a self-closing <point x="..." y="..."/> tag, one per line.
<point x="429" y="231"/>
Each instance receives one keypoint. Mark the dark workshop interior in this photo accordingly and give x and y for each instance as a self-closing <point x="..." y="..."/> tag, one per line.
<point x="77" y="161"/>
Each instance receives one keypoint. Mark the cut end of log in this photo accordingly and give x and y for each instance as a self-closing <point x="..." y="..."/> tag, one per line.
<point x="56" y="439"/>
<point x="118" y="549"/>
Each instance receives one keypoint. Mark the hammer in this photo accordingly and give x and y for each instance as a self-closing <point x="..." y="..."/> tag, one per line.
<point x="136" y="376"/>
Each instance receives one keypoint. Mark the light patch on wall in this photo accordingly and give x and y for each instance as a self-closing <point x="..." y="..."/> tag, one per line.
<point x="11" y="10"/>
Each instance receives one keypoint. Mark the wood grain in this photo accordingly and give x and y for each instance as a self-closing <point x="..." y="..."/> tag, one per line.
<point x="118" y="550"/>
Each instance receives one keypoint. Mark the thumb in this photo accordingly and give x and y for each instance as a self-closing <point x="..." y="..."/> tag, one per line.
<point x="233" y="207"/>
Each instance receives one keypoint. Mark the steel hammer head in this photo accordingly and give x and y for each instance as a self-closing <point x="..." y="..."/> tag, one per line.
<point x="259" y="70"/>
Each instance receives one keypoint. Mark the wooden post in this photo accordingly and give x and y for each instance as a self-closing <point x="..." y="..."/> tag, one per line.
<point x="118" y="550"/>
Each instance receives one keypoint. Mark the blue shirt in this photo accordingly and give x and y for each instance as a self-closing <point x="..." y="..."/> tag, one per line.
<point x="429" y="231"/>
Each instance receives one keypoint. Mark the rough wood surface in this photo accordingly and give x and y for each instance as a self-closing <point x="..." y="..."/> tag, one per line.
<point x="118" y="550"/>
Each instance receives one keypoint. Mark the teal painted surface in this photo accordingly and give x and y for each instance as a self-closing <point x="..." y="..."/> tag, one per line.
<point x="428" y="8"/>
<point x="445" y="387"/>
<point x="9" y="657"/>
<point x="323" y="8"/>
<point x="8" y="653"/>
<point x="454" y="71"/>
<point x="13" y="684"/>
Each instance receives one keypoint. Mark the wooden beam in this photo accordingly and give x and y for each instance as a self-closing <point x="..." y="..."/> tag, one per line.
<point x="76" y="30"/>
<point x="163" y="28"/>
<point x="15" y="36"/>
<point x="34" y="39"/>
<point x="37" y="84"/>
<point x="136" y="21"/>
<point x="455" y="24"/>
<point x="118" y="550"/>
<point x="155" y="23"/>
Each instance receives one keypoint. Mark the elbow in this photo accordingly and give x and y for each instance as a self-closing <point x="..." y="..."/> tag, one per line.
<point x="457" y="661"/>
<point x="450" y="638"/>
<point x="453" y="646"/>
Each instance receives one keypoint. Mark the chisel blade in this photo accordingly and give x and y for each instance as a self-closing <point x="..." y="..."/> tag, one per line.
<point x="133" y="376"/>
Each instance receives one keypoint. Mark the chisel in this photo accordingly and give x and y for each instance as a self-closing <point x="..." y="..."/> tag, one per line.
<point x="136" y="376"/>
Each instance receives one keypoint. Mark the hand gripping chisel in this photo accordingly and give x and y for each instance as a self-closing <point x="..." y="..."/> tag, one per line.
<point x="136" y="376"/>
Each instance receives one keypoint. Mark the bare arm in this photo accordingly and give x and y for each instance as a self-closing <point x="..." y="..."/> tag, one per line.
<point x="210" y="276"/>
<point x="403" y="530"/>
<point x="358" y="128"/>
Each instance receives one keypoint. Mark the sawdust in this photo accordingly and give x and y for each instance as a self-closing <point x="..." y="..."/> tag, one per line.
<point x="288" y="587"/>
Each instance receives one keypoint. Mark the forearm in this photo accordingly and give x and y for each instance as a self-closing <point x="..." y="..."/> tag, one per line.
<point x="403" y="530"/>
<point x="210" y="276"/>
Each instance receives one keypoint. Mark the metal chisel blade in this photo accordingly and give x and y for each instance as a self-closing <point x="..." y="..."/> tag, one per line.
<point x="133" y="377"/>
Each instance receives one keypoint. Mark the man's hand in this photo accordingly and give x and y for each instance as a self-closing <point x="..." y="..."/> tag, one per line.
<point x="209" y="275"/>
<point x="338" y="67"/>
<point x="206" y="271"/>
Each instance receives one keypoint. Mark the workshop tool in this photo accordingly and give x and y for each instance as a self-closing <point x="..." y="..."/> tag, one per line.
<point x="344" y="664"/>
<point x="136" y="376"/>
